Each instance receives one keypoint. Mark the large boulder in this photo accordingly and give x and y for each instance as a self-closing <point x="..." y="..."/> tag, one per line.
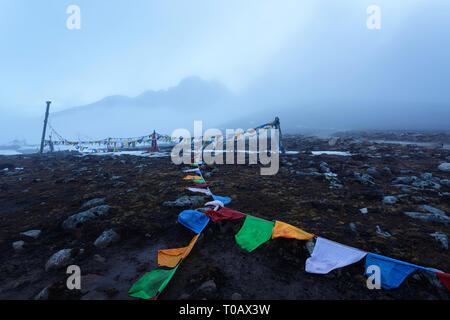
<point x="363" y="178"/>
<point x="31" y="233"/>
<point x="94" y="202"/>
<point x="75" y="221"/>
<point x="431" y="217"/>
<point x="18" y="245"/>
<point x="106" y="238"/>
<point x="59" y="260"/>
<point x="432" y="209"/>
<point x="185" y="201"/>
<point x="405" y="180"/>
<point x="444" y="167"/>
<point x="390" y="200"/>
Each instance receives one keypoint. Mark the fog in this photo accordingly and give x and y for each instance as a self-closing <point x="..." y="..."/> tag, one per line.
<point x="152" y="65"/>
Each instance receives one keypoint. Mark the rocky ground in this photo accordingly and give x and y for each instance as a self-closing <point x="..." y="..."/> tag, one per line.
<point x="385" y="198"/>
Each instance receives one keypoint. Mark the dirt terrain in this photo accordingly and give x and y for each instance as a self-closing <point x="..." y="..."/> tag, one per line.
<point x="39" y="192"/>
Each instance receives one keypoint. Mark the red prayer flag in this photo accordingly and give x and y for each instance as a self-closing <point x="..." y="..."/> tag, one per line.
<point x="445" y="279"/>
<point x="202" y="185"/>
<point x="224" y="214"/>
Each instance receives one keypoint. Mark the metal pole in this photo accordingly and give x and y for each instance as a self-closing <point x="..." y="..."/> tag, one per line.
<point x="45" y="127"/>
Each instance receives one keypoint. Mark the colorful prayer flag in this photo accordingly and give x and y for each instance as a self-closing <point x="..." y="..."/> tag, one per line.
<point x="254" y="232"/>
<point x="445" y="279"/>
<point x="205" y="191"/>
<point x="224" y="200"/>
<point x="202" y="185"/>
<point x="192" y="178"/>
<point x="224" y="214"/>
<point x="329" y="255"/>
<point x="285" y="230"/>
<point x="171" y="257"/>
<point x="152" y="283"/>
<point x="393" y="272"/>
<point x="194" y="220"/>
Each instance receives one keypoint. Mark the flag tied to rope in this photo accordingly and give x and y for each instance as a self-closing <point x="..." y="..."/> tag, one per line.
<point x="285" y="230"/>
<point x="329" y="255"/>
<point x="224" y="214"/>
<point x="171" y="257"/>
<point x="201" y="185"/>
<point x="217" y="204"/>
<point x="152" y="283"/>
<point x="224" y="200"/>
<point x="205" y="191"/>
<point x="194" y="220"/>
<point x="192" y="178"/>
<point x="393" y="272"/>
<point x="254" y="232"/>
<point x="445" y="279"/>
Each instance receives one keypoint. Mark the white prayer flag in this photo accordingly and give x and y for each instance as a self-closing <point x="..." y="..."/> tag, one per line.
<point x="205" y="191"/>
<point x="329" y="255"/>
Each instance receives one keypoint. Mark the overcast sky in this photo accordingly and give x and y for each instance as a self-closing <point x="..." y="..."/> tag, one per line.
<point x="270" y="53"/>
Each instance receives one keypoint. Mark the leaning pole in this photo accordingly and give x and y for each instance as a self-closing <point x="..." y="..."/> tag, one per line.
<point x="45" y="127"/>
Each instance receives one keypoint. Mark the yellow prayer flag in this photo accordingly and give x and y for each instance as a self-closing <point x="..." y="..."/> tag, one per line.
<point x="171" y="257"/>
<point x="285" y="230"/>
<point x="192" y="178"/>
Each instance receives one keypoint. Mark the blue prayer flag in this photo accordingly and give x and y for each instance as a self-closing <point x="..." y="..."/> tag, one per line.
<point x="224" y="200"/>
<point x="194" y="220"/>
<point x="393" y="272"/>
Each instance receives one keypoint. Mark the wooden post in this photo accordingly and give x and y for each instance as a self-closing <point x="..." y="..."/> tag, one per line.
<point x="45" y="127"/>
<point x="280" y="137"/>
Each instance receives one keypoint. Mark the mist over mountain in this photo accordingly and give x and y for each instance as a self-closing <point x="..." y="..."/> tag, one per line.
<point x="316" y="65"/>
<point x="191" y="92"/>
<point x="210" y="101"/>
<point x="163" y="111"/>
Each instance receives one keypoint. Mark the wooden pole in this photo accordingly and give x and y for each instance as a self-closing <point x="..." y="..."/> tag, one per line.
<point x="45" y="127"/>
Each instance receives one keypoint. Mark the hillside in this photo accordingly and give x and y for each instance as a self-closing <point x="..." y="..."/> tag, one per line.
<point x="44" y="191"/>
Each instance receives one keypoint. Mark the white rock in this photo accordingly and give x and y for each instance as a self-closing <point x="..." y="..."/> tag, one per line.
<point x="59" y="259"/>
<point x="18" y="245"/>
<point x="106" y="238"/>
<point x="31" y="233"/>
<point x="390" y="200"/>
<point x="439" y="236"/>
<point x="444" y="167"/>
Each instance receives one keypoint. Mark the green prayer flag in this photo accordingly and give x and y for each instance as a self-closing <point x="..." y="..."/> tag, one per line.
<point x="151" y="283"/>
<point x="254" y="233"/>
<point x="200" y="180"/>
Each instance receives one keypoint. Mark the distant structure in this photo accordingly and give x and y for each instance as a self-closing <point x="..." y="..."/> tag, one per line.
<point x="280" y="137"/>
<point x="155" y="147"/>
<point x="50" y="143"/>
